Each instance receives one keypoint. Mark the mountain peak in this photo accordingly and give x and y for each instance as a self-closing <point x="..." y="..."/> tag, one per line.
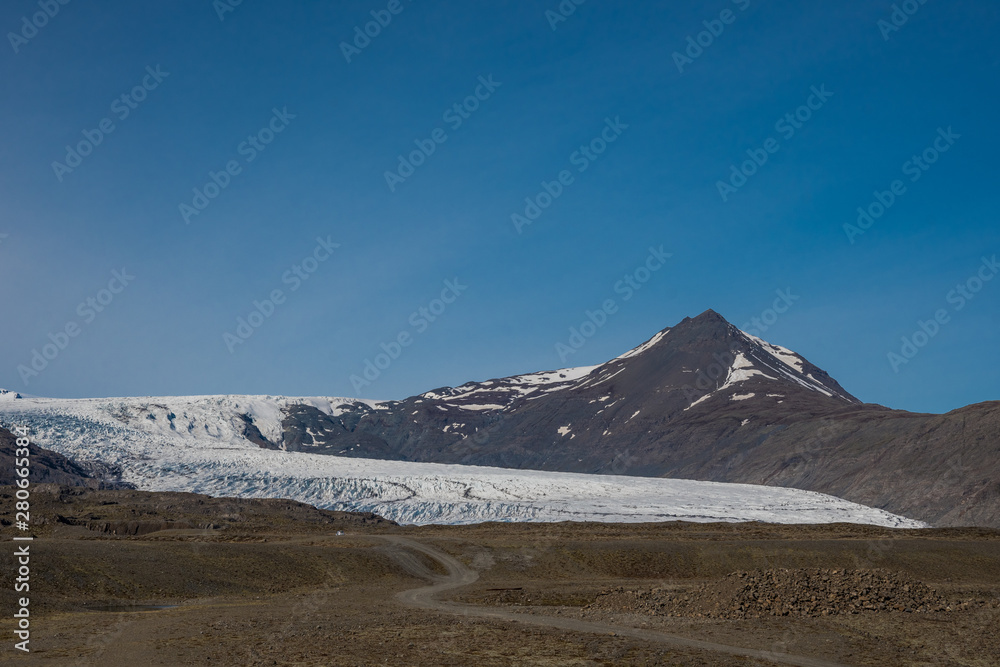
<point x="706" y="357"/>
<point x="709" y="315"/>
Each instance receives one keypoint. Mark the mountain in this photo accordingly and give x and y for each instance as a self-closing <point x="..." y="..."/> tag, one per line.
<point x="686" y="382"/>
<point x="701" y="400"/>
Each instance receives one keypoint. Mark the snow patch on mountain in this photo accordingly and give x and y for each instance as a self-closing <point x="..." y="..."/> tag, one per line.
<point x="792" y="366"/>
<point x="741" y="370"/>
<point x="645" y="346"/>
<point x="782" y="354"/>
<point x="503" y="393"/>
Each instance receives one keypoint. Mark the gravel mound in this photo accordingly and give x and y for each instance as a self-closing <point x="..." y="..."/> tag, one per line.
<point x="798" y="592"/>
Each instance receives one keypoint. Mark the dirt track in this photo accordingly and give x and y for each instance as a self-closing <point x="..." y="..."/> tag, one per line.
<point x="459" y="575"/>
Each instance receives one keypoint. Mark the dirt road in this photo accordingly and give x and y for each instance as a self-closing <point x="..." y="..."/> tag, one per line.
<point x="458" y="575"/>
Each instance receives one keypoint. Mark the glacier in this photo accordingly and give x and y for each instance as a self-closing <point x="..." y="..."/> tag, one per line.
<point x="195" y="444"/>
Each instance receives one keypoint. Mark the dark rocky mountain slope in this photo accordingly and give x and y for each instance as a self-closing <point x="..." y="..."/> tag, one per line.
<point x="701" y="400"/>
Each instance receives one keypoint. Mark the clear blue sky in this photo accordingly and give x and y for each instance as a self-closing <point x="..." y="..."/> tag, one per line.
<point x="323" y="176"/>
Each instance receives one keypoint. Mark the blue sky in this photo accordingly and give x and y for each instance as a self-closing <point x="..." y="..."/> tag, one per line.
<point x="680" y="126"/>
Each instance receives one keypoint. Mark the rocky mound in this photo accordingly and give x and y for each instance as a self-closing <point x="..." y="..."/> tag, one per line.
<point x="135" y="528"/>
<point x="799" y="592"/>
<point x="47" y="467"/>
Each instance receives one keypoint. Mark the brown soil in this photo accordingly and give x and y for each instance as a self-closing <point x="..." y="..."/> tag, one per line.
<point x="271" y="583"/>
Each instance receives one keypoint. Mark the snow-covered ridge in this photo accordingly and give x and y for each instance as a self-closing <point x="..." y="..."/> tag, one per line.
<point x="500" y="394"/>
<point x="186" y="418"/>
<point x="6" y="395"/>
<point x="210" y="457"/>
<point x="645" y="346"/>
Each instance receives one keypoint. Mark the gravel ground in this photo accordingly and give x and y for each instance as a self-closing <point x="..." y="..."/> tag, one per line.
<point x="273" y="584"/>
